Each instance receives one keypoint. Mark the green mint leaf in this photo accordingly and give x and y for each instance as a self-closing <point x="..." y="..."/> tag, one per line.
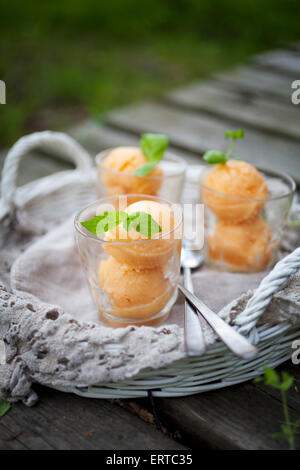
<point x="296" y="426"/>
<point x="145" y="169"/>
<point x="286" y="429"/>
<point x="140" y="221"/>
<point x="104" y="222"/>
<point x="271" y="377"/>
<point x="235" y="134"/>
<point x="128" y="223"/>
<point x="282" y="382"/>
<point x="4" y="407"/>
<point x="154" y="146"/>
<point x="213" y="157"/>
<point x="143" y="223"/>
<point x="287" y="381"/>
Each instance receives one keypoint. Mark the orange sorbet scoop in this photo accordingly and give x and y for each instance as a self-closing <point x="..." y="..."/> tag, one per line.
<point x="132" y="293"/>
<point x="243" y="246"/>
<point x="235" y="183"/>
<point x="118" y="177"/>
<point x="153" y="253"/>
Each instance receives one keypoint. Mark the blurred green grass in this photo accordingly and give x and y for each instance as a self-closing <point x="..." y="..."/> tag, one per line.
<point x="64" y="61"/>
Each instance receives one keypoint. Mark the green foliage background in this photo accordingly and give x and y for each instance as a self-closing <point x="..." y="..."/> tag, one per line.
<point x="63" y="61"/>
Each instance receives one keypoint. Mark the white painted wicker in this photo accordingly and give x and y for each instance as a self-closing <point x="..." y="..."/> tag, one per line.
<point x="61" y="193"/>
<point x="218" y="367"/>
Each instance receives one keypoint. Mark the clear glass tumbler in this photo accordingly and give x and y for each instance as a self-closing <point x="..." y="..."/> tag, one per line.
<point x="133" y="279"/>
<point x="252" y="243"/>
<point x="169" y="185"/>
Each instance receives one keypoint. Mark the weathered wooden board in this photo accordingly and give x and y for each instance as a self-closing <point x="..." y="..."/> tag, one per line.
<point x="240" y="417"/>
<point x="96" y="137"/>
<point x="8" y="440"/>
<point x="257" y="112"/>
<point x="283" y="61"/>
<point x="198" y="133"/>
<point x="36" y="165"/>
<point x="251" y="81"/>
<point x="62" y="421"/>
<point x="293" y="394"/>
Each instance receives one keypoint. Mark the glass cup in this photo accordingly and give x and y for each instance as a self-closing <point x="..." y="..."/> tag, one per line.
<point x="169" y="185"/>
<point x="241" y="234"/>
<point x="133" y="280"/>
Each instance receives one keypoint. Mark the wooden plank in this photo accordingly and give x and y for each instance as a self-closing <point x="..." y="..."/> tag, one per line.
<point x="93" y="137"/>
<point x="62" y="421"/>
<point x="256" y="112"/>
<point x="96" y="137"/>
<point x="36" y="165"/>
<point x="251" y="81"/>
<point x="9" y="440"/>
<point x="293" y="394"/>
<point x="198" y="133"/>
<point x="283" y="61"/>
<point x="240" y="417"/>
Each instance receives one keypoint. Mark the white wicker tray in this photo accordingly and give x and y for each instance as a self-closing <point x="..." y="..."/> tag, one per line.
<point x="218" y="367"/>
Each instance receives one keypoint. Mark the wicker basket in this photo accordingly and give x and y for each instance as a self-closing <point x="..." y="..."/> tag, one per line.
<point x="218" y="367"/>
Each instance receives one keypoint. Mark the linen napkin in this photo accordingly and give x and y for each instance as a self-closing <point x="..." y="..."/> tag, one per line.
<point x="50" y="269"/>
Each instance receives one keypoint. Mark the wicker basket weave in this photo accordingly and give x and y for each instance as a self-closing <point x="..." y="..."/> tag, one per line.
<point x="218" y="367"/>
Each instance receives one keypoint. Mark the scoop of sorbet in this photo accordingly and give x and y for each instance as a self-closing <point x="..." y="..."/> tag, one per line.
<point x="145" y="253"/>
<point x="236" y="191"/>
<point x="124" y="161"/>
<point x="132" y="293"/>
<point x="243" y="246"/>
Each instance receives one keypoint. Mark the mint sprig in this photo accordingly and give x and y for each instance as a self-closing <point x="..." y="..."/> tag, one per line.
<point x="4" y="407"/>
<point x="145" y="169"/>
<point x="143" y="223"/>
<point x="104" y="222"/>
<point x="213" y="157"/>
<point x="153" y="147"/>
<point x="282" y="382"/>
<point x="140" y="221"/>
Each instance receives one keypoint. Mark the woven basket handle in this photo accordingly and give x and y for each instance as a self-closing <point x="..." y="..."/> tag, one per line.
<point x="57" y="143"/>
<point x="271" y="284"/>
